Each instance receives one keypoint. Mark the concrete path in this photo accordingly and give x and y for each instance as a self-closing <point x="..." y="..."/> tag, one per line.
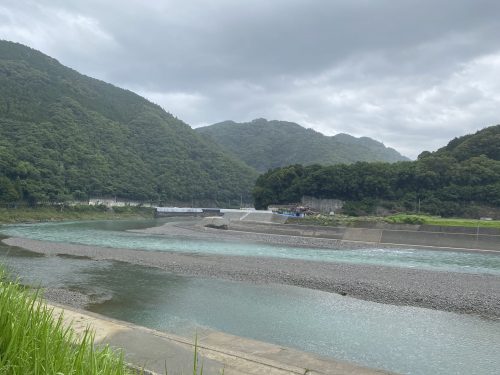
<point x="155" y="351"/>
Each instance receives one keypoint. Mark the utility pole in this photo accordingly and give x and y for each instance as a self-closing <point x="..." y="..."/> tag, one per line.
<point x="477" y="230"/>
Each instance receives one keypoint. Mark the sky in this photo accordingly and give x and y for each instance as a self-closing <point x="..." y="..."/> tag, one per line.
<point x="411" y="73"/>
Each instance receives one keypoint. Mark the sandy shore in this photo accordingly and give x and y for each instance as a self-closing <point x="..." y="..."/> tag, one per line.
<point x="456" y="292"/>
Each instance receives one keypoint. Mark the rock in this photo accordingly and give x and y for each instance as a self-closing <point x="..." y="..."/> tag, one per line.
<point x="216" y="222"/>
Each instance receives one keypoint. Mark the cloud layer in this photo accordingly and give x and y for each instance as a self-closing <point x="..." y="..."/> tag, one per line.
<point x="411" y="73"/>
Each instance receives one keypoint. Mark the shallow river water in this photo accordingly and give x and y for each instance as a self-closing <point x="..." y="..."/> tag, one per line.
<point x="402" y="339"/>
<point x="115" y="234"/>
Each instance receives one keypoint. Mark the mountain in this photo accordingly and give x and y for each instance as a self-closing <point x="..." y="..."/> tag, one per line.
<point x="64" y="135"/>
<point x="484" y="142"/>
<point x="266" y="144"/>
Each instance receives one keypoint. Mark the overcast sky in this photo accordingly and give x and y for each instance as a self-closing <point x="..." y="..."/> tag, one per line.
<point x="410" y="73"/>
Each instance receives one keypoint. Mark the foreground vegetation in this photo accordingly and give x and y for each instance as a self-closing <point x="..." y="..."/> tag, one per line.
<point x="461" y="179"/>
<point x="83" y="212"/>
<point x="33" y="341"/>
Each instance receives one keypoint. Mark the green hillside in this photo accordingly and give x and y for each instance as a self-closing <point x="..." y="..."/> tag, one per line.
<point x="266" y="144"/>
<point x="461" y="179"/>
<point x="484" y="142"/>
<point x="64" y="135"/>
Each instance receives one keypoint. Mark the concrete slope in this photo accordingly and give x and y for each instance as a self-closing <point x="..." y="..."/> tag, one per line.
<point x="428" y="237"/>
<point x="155" y="351"/>
<point x="255" y="216"/>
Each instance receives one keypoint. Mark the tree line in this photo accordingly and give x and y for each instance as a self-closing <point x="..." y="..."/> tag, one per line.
<point x="452" y="181"/>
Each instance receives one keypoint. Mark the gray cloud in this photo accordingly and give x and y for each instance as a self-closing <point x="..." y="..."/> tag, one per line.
<point x="411" y="73"/>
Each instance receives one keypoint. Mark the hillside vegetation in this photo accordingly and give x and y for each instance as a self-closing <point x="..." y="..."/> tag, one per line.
<point x="78" y="212"/>
<point x="266" y="144"/>
<point x="460" y="179"/>
<point x="64" y="136"/>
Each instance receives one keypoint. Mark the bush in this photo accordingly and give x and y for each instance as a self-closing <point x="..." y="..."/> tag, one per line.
<point x="360" y="208"/>
<point x="406" y="219"/>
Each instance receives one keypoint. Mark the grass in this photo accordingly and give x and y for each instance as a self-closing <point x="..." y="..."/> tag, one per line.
<point x="32" y="341"/>
<point x="58" y="213"/>
<point x="437" y="220"/>
<point x="341" y="220"/>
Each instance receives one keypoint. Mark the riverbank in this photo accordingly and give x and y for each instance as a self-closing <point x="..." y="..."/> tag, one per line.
<point x="477" y="294"/>
<point x="218" y="351"/>
<point x="432" y="238"/>
<point x="79" y="212"/>
<point x="63" y="339"/>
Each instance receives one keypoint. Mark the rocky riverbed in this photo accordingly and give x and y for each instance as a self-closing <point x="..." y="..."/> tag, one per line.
<point x="448" y="291"/>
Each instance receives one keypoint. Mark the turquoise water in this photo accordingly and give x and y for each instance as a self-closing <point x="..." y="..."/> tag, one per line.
<point x="405" y="340"/>
<point x="114" y="234"/>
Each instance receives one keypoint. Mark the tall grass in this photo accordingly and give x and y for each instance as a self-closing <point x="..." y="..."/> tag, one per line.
<point x="83" y="212"/>
<point x="33" y="341"/>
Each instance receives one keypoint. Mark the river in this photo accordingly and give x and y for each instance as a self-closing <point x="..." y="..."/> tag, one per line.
<point x="402" y="339"/>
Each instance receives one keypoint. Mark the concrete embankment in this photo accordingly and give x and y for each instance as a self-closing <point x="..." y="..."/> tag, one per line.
<point x="229" y="214"/>
<point x="487" y="239"/>
<point x="156" y="351"/>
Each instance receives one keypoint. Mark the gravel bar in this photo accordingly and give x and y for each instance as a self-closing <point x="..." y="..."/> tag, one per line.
<point x="448" y="291"/>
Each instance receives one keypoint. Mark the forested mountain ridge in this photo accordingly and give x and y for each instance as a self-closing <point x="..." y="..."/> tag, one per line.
<point x="266" y="144"/>
<point x="461" y="179"/>
<point x="64" y="135"/>
<point x="484" y="142"/>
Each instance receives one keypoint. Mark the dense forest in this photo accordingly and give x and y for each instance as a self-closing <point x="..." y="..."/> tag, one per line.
<point x="459" y="179"/>
<point x="65" y="136"/>
<point x="266" y="144"/>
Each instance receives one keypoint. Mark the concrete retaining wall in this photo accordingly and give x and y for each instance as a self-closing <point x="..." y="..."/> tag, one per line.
<point x="411" y="235"/>
<point x="441" y="239"/>
<point x="456" y="238"/>
<point x="322" y="205"/>
<point x="254" y="216"/>
<point x="362" y="234"/>
<point x="467" y="230"/>
<point x="289" y="230"/>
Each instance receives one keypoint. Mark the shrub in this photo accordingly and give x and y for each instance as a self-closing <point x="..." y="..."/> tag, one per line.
<point x="33" y="341"/>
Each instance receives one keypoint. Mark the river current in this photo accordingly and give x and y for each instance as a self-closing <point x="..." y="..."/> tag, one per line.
<point x="116" y="234"/>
